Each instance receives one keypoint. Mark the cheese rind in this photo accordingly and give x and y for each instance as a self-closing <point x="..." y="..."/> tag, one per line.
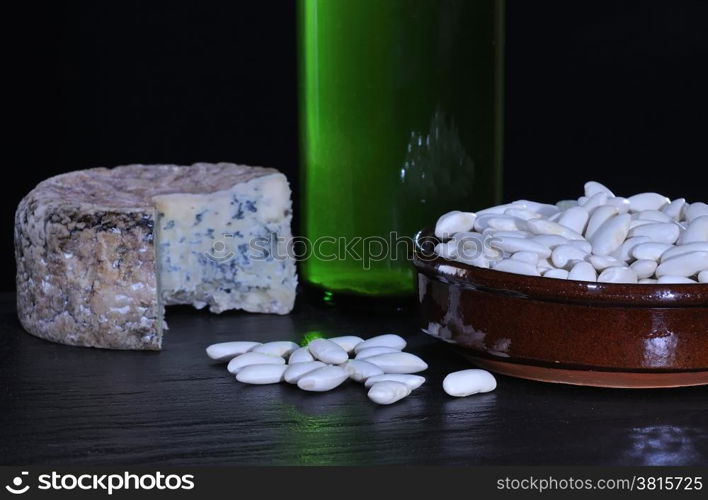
<point x="98" y="251"/>
<point x="87" y="277"/>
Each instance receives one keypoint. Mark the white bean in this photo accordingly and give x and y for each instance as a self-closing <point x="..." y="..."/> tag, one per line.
<point x="687" y="265"/>
<point x="598" y="218"/>
<point x="697" y="230"/>
<point x="261" y="374"/>
<point x="543" y="265"/>
<point x="360" y="370"/>
<point x="644" y="268"/>
<point x="675" y="209"/>
<point x="671" y="252"/>
<point x="660" y="232"/>
<point x="617" y="275"/>
<point x="560" y="274"/>
<point x="564" y="255"/>
<point x="253" y="358"/>
<point x="327" y="351"/>
<point x="610" y="235"/>
<point x="666" y="280"/>
<point x="454" y="222"/>
<point x="505" y="223"/>
<point x="703" y="277"/>
<point x="399" y="362"/>
<point x="279" y="348"/>
<point x="550" y="240"/>
<point x="594" y="201"/>
<point x="323" y="379"/>
<point x="477" y="236"/>
<point x="294" y="372"/>
<point x="514" y="234"/>
<point x="695" y="210"/>
<point x="482" y="222"/>
<point x="575" y="218"/>
<point x="412" y="381"/>
<point x="469" y="237"/>
<point x="386" y="393"/>
<point x="447" y="250"/>
<point x="648" y="281"/>
<point x="347" y="342"/>
<point x="602" y="262"/>
<point x="638" y="222"/>
<point x="654" y="215"/>
<point x="625" y="240"/>
<point x="541" y="226"/>
<point x="582" y="271"/>
<point x="522" y="213"/>
<point x="524" y="256"/>
<point x="471" y="245"/>
<point x="624" y="252"/>
<point x="651" y="251"/>
<point x="375" y="351"/>
<point x="582" y="245"/>
<point x="387" y="340"/>
<point x="470" y="248"/>
<point x="647" y="201"/>
<point x="594" y="187"/>
<point x="498" y="209"/>
<point x="513" y="245"/>
<point x="621" y="204"/>
<point x="467" y="382"/>
<point x="478" y="261"/>
<point x="566" y="204"/>
<point x="300" y="355"/>
<point x="516" y="267"/>
<point x="226" y="351"/>
<point x="544" y="209"/>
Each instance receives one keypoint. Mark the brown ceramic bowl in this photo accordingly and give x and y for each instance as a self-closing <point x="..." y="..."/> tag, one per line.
<point x="565" y="331"/>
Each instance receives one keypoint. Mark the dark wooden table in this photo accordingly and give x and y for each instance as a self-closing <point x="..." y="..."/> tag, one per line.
<point x="66" y="405"/>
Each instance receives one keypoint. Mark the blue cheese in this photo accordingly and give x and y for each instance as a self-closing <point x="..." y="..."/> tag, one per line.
<point x="228" y="249"/>
<point x="100" y="252"/>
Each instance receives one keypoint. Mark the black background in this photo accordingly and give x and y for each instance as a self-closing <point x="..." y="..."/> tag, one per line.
<point x="603" y="89"/>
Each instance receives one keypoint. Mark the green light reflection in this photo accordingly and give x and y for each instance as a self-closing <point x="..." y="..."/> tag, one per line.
<point x="310" y="336"/>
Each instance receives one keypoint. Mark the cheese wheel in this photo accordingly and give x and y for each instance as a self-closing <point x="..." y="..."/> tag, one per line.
<point x="100" y="252"/>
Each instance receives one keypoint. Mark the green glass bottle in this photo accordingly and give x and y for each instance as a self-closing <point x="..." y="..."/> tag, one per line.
<point x="401" y="121"/>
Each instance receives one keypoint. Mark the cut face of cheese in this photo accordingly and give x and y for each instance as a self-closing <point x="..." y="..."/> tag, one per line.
<point x="100" y="252"/>
<point x="225" y="249"/>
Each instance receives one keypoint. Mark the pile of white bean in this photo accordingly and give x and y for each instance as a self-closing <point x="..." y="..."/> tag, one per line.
<point x="645" y="238"/>
<point x="324" y="364"/>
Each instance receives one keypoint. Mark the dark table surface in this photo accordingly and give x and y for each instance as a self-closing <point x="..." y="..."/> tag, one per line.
<point x="67" y="405"/>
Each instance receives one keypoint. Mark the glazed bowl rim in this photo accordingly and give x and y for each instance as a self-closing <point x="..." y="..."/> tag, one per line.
<point x="551" y="289"/>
